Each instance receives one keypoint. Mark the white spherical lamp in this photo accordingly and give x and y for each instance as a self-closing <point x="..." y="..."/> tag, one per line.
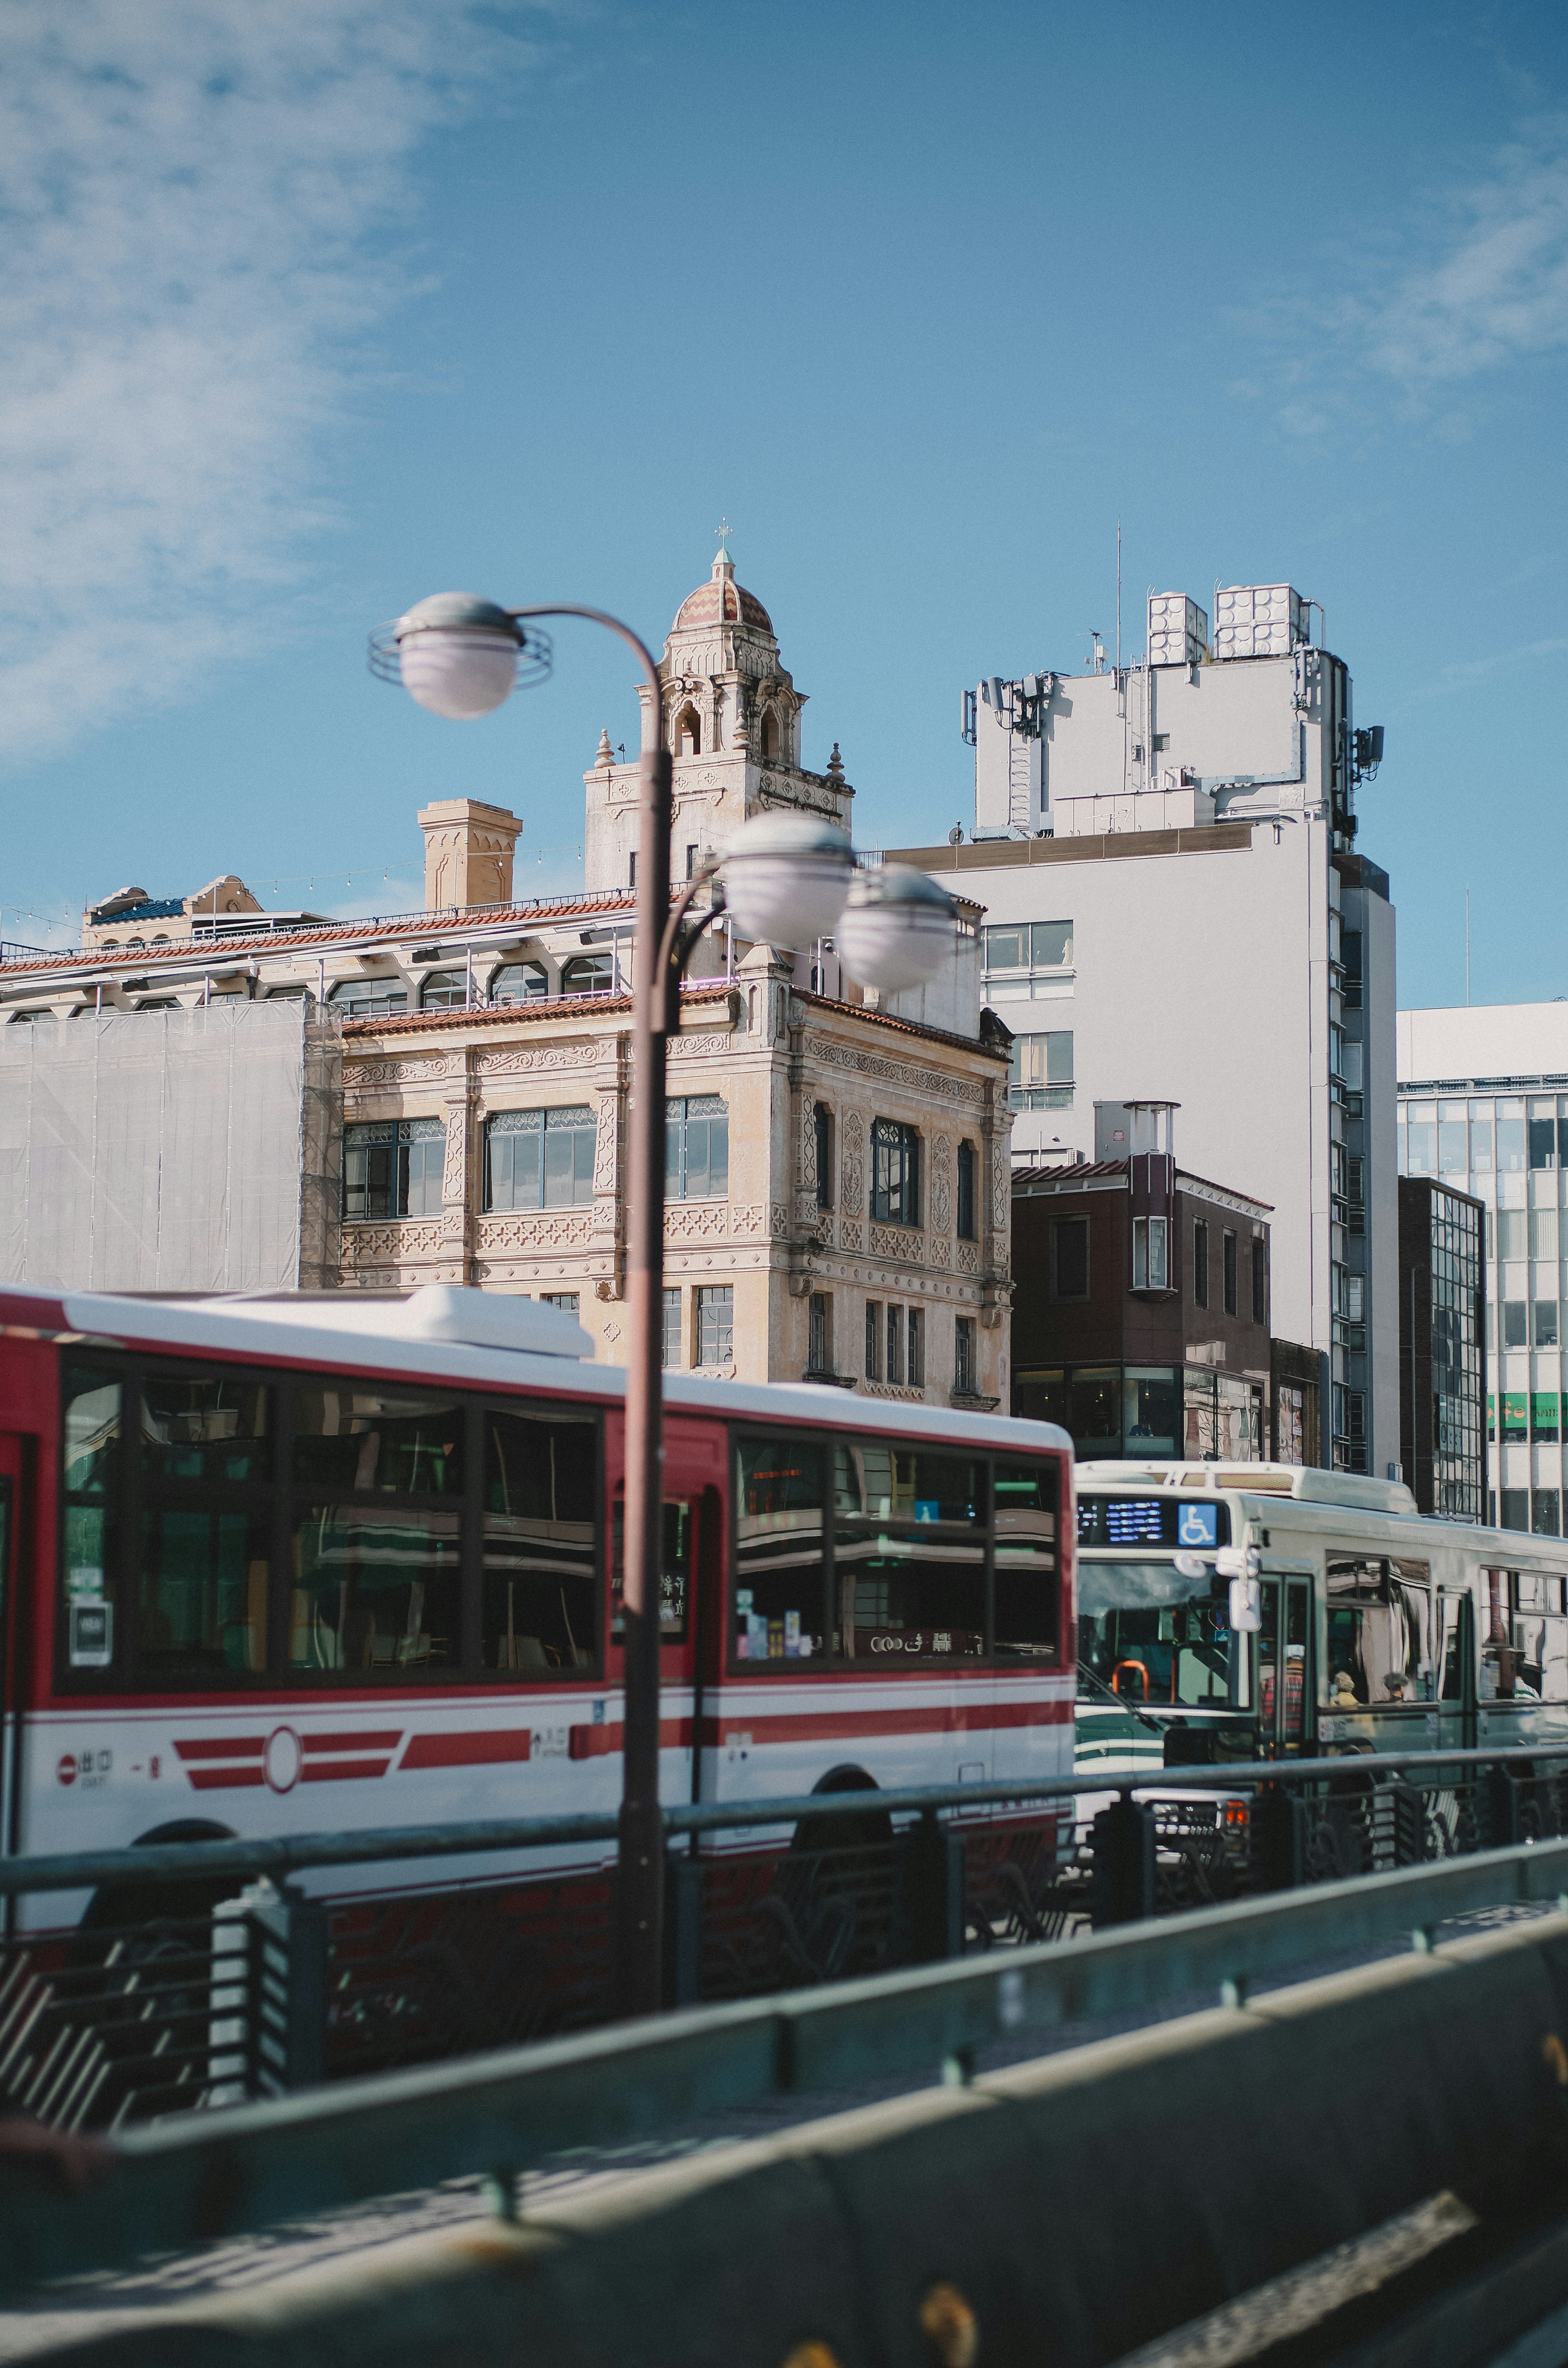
<point x="457" y="653"/>
<point x="785" y="877"/>
<point x="897" y="928"/>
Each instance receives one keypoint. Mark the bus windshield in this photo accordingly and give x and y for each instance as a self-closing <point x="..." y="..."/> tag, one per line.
<point x="1155" y="1637"/>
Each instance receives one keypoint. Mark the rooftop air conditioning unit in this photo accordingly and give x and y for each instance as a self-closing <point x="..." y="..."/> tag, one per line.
<point x="1259" y="621"/>
<point x="1178" y="630"/>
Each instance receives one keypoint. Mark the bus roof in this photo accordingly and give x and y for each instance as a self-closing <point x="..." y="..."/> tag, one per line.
<point x="481" y="1338"/>
<point x="1354" y="1490"/>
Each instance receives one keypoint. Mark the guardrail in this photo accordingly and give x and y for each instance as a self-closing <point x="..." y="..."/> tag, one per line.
<point x="203" y="2177"/>
<point x="203" y="1973"/>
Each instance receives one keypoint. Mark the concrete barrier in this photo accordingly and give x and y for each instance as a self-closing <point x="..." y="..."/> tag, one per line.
<point x="1064" y="2212"/>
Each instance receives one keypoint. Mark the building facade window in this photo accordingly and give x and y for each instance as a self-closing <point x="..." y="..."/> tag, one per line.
<point x="715" y="1341"/>
<point x="697" y="1148"/>
<point x="394" y="1169"/>
<point x="895" y="1172"/>
<point x="873" y="1340"/>
<point x="915" y="1347"/>
<point x="1040" y="1071"/>
<point x="443" y="990"/>
<point x="1017" y="952"/>
<point x="520" y="981"/>
<point x="821" y="1134"/>
<point x="569" y="1302"/>
<point x="1259" y="1281"/>
<point x="963" y="1357"/>
<point x="1070" y="1257"/>
<point x="669" y="1349"/>
<point x="966" y="1192"/>
<point x="1200" y="1263"/>
<point x="819" y="1334"/>
<point x="1149" y="1258"/>
<point x="368" y="998"/>
<point x="540" y="1158"/>
<point x="1229" y="1253"/>
<point x="588" y="973"/>
<point x="895" y="1346"/>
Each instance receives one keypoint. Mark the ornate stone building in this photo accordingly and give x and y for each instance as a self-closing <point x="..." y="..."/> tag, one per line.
<point x="839" y="1175"/>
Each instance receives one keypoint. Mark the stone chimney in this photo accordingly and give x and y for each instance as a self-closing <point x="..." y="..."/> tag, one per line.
<point x="468" y="853"/>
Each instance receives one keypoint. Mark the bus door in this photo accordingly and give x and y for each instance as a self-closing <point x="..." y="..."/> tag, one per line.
<point x="690" y="1594"/>
<point x="1456" y="1671"/>
<point x="1286" y="1724"/>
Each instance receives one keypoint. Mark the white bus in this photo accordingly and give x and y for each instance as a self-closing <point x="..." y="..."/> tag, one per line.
<point x="1383" y="1630"/>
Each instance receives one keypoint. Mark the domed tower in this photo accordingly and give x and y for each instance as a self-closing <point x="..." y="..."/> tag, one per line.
<point x="733" y="718"/>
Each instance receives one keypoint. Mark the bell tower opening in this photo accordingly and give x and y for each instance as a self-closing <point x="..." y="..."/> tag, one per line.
<point x="689" y="732"/>
<point x="769" y="737"/>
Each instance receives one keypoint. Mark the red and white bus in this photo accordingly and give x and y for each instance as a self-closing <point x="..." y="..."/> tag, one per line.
<point x="299" y="1563"/>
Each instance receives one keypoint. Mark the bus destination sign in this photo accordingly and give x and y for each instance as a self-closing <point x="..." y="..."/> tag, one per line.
<point x="1185" y="1524"/>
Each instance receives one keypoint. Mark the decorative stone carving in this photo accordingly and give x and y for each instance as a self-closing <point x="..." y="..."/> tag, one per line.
<point x="696" y="1221"/>
<point x="848" y="1234"/>
<point x="852" y="1170"/>
<point x="517" y="1060"/>
<point x="968" y="1258"/>
<point x="898" y="1241"/>
<point x="939" y="1252"/>
<point x="688" y="1047"/>
<point x="553" y="1230"/>
<point x="894" y="1073"/>
<point x="361" y="1243"/>
<point x="1001" y="1189"/>
<point x="363" y="1077"/>
<point x="606" y="1141"/>
<point x="808" y="1147"/>
<point x="941" y="1185"/>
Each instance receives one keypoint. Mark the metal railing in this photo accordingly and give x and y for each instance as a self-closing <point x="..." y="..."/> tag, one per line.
<point x="203" y="2177"/>
<point x="203" y="1973"/>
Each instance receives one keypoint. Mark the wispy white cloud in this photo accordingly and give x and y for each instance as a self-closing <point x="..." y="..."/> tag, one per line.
<point x="1470" y="282"/>
<point x="195" y="203"/>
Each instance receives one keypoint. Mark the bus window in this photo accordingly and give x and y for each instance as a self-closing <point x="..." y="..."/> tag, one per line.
<point x="1379" y="1613"/>
<point x="677" y="1541"/>
<point x="1026" y="1598"/>
<point x="540" y="1604"/>
<point x="780" y="1579"/>
<point x="376" y="1590"/>
<point x="1540" y="1638"/>
<point x="205" y="1427"/>
<point x="909" y="1556"/>
<point x="202" y="1609"/>
<point x="357" y="1437"/>
<point x="1152" y="1636"/>
<point x="92" y="1432"/>
<point x="1453" y="1666"/>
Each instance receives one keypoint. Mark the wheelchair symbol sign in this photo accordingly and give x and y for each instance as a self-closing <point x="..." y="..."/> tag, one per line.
<point x="1197" y="1525"/>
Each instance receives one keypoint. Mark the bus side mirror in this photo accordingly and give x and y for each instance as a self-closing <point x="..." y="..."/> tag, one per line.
<point x="1246" y="1605"/>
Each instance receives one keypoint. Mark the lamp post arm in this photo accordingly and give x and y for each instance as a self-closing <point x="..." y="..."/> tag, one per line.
<point x="634" y="642"/>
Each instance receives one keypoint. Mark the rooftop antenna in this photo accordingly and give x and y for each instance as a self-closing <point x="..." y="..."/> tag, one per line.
<point x="1467" y="949"/>
<point x="1119" y="596"/>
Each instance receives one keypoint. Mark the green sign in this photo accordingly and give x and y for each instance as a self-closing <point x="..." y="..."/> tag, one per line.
<point x="1544" y="1414"/>
<point x="1515" y="1414"/>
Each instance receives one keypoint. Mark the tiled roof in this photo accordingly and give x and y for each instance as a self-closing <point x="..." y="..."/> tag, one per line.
<point x="905" y="1027"/>
<point x="319" y="939"/>
<point x="741" y="607"/>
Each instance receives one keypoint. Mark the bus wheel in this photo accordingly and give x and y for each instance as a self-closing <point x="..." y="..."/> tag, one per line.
<point x="163" y="1899"/>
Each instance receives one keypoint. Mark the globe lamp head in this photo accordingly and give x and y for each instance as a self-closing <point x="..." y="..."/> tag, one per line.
<point x="785" y="877"/>
<point x="457" y="653"/>
<point x="897" y="928"/>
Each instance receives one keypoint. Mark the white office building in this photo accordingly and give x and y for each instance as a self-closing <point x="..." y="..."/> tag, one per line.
<point x="1484" y="1106"/>
<point x="1176" y="911"/>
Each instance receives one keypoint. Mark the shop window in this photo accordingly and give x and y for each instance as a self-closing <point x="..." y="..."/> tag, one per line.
<point x="895" y="1172"/>
<point x="966" y="1166"/>
<point x="1149" y="1253"/>
<point x="1070" y="1257"/>
<point x="1094" y="1410"/>
<point x="393" y="1169"/>
<point x="697" y="1148"/>
<point x="1151" y="1397"/>
<point x="540" y="1158"/>
<point x="715" y="1325"/>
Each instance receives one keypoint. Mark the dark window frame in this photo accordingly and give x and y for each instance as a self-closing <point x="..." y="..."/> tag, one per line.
<point x="895" y="1178"/>
<point x="822" y="1143"/>
<point x="1229" y="1272"/>
<point x="838" y="1665"/>
<point x="1059" y="1225"/>
<point x="397" y="1137"/>
<point x="967" y="1165"/>
<point x="1200" y="1261"/>
<point x="279" y="1501"/>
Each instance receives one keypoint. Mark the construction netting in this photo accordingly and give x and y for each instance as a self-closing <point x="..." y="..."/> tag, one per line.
<point x="177" y="1150"/>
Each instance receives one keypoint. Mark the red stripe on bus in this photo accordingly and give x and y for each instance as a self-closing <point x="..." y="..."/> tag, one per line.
<point x="467" y="1750"/>
<point x="209" y="1779"/>
<point x="225" y="1746"/>
<point x="385" y="1739"/>
<point x="801" y="1726"/>
<point x="328" y="1771"/>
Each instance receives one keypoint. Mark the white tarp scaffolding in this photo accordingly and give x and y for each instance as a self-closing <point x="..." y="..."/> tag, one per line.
<point x="184" y="1150"/>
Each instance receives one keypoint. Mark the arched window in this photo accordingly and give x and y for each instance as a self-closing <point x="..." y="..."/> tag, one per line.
<point x="689" y="732"/>
<point x="587" y="974"/>
<point x="520" y="981"/>
<point x="109" y="946"/>
<point x="895" y="1172"/>
<point x="769" y="733"/>
<point x="443" y="990"/>
<point x="139" y="943"/>
<point x="370" y="998"/>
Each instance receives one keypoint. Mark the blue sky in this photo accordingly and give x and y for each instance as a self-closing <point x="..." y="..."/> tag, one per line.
<point x="311" y="310"/>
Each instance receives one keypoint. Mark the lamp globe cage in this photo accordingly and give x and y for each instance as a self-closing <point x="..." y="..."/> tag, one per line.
<point x="897" y="928"/>
<point x="454" y="653"/>
<point x="785" y="877"/>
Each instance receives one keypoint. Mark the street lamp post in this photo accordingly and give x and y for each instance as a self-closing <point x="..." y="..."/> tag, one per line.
<point x="785" y="879"/>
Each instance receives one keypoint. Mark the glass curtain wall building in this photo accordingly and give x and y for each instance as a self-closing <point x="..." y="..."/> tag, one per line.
<point x="1505" y="1140"/>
